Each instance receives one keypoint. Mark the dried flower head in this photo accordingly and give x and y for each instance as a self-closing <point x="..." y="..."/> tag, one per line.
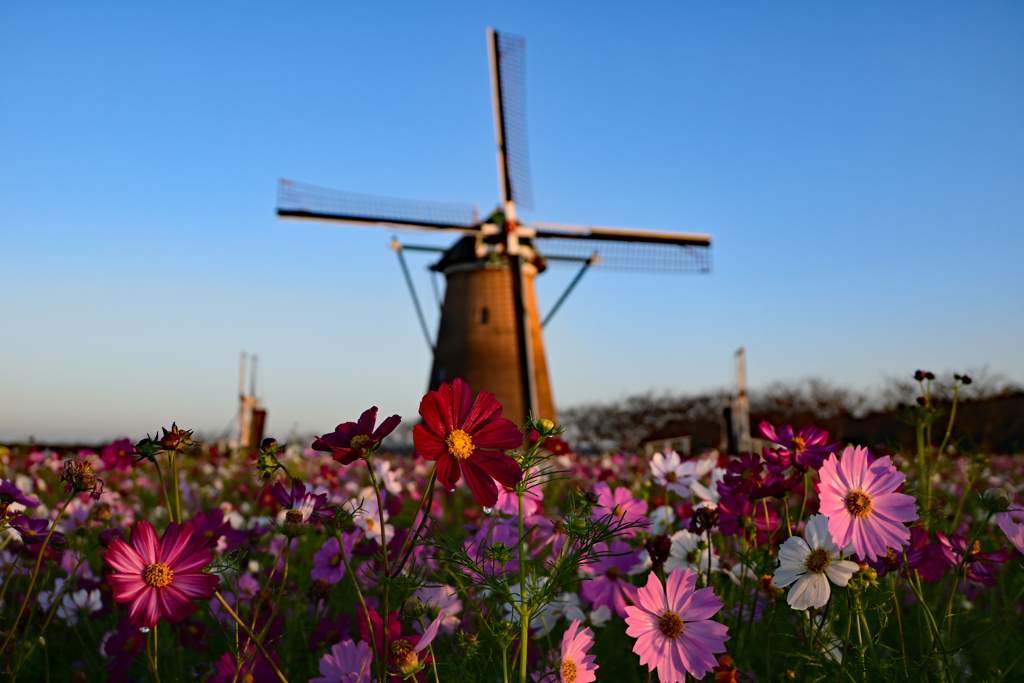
<point x="78" y="476"/>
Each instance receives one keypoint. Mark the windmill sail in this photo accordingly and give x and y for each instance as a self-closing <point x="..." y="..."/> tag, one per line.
<point x="299" y="200"/>
<point x="508" y="73"/>
<point x="624" y="248"/>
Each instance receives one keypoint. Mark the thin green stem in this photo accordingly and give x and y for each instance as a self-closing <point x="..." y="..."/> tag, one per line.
<point x="524" y="615"/>
<point x="174" y="483"/>
<point x="899" y="622"/>
<point x="252" y="636"/>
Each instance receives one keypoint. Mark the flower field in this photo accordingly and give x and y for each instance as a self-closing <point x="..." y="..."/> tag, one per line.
<point x="496" y="554"/>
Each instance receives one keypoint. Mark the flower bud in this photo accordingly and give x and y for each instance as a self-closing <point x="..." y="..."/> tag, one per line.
<point x="919" y="375"/>
<point x="966" y="379"/>
<point x="79" y="477"/>
<point x="659" y="547"/>
<point x="929" y="376"/>
<point x="500" y="553"/>
<point x="293" y="524"/>
<point x="318" y="590"/>
<point x="591" y="497"/>
<point x="412" y="608"/>
<point x="546" y="426"/>
<point x="997" y="499"/>
<point x="870" y="574"/>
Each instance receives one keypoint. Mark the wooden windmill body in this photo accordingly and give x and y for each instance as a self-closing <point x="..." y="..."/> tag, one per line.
<point x="490" y="332"/>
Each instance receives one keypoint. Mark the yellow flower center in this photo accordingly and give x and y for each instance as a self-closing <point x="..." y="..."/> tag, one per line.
<point x="370" y="524"/>
<point x="797" y="445"/>
<point x="359" y="442"/>
<point x="129" y="645"/>
<point x="157" y="575"/>
<point x="671" y="477"/>
<point x="293" y="517"/>
<point x="671" y="625"/>
<point x="618" y="511"/>
<point x="335" y="561"/>
<point x="568" y="671"/>
<point x="249" y="678"/>
<point x="817" y="561"/>
<point x="858" y="503"/>
<point x="459" y="444"/>
<point x="613" y="573"/>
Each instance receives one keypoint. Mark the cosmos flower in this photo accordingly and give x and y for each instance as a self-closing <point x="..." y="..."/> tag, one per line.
<point x="808" y="448"/>
<point x="468" y="438"/>
<point x="739" y="515"/>
<point x="347" y="662"/>
<point x="609" y="587"/>
<point x="328" y="564"/>
<point x="122" y="647"/>
<point x="674" y="631"/>
<point x="445" y="600"/>
<point x="330" y="632"/>
<point x="296" y="500"/>
<point x="1012" y="524"/>
<point x="979" y="563"/>
<point x="690" y="551"/>
<point x="743" y="474"/>
<point x="79" y="604"/>
<point x="9" y="493"/>
<point x="810" y="564"/>
<point x="862" y="504"/>
<point x="254" y="668"/>
<point x="675" y="474"/>
<point x="403" y="650"/>
<point x="118" y="455"/>
<point x="350" y="440"/>
<point x="575" y="665"/>
<point x="160" y="578"/>
<point x="620" y="506"/>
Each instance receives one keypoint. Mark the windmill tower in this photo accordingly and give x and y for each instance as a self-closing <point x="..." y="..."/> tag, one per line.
<point x="490" y="333"/>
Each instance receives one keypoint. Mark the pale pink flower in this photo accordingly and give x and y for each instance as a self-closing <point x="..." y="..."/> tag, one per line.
<point x="1012" y="524"/>
<point x="674" y="631"/>
<point x="347" y="662"/>
<point x="620" y="505"/>
<point x="576" y="665"/>
<point x="862" y="504"/>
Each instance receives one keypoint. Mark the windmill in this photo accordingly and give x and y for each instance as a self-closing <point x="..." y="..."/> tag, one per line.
<point x="490" y="329"/>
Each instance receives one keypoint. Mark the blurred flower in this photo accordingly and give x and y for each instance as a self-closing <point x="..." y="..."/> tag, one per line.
<point x="609" y="586"/>
<point x="862" y="504"/>
<point x="9" y="493"/>
<point x="81" y="603"/>
<point x="446" y="601"/>
<point x="674" y="631"/>
<point x="328" y="564"/>
<point x="620" y="505"/>
<point x="160" y="578"/>
<point x="468" y="439"/>
<point x="122" y="647"/>
<point x="1012" y="524"/>
<point x="743" y="474"/>
<point x="575" y="665"/>
<point x="118" y="455"/>
<point x="351" y="440"/>
<point x="330" y="632"/>
<point x="347" y="662"/>
<point x="670" y="471"/>
<point x="810" y="564"/>
<point x="252" y="668"/>
<point x="689" y="551"/>
<point x="78" y="476"/>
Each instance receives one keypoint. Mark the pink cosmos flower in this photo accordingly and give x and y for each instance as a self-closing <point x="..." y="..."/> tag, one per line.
<point x="979" y="563"/>
<point x="160" y="578"/>
<point x="118" y="455"/>
<point x="620" y="505"/>
<point x="347" y="662"/>
<point x="508" y="502"/>
<point x="122" y="647"/>
<point x="807" y="448"/>
<point x="1012" y="524"/>
<point x="609" y="587"/>
<point x="253" y="669"/>
<point x="328" y="563"/>
<point x="575" y="665"/>
<point x="862" y="504"/>
<point x="674" y="631"/>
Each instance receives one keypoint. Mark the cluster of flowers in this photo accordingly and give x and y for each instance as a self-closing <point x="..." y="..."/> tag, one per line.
<point x="386" y="568"/>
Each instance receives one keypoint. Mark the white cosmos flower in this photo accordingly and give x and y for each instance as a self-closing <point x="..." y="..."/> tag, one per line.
<point x="81" y="603"/>
<point x="709" y="494"/>
<point x="690" y="551"/>
<point x="662" y="519"/>
<point x="810" y="564"/>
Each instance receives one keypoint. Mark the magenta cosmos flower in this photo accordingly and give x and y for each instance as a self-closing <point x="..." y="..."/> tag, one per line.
<point x="808" y="447"/>
<point x="862" y="504"/>
<point x="609" y="587"/>
<point x="620" y="505"/>
<point x="328" y="563"/>
<point x="350" y="440"/>
<point x="160" y="578"/>
<point x="674" y="631"/>
<point x="470" y="438"/>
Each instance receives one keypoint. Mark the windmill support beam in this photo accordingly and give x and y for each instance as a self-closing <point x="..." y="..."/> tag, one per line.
<point x="524" y="338"/>
<point x="397" y="246"/>
<point x="568" y="290"/>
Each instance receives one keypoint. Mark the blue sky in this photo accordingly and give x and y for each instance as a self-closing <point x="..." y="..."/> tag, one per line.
<point x="860" y="168"/>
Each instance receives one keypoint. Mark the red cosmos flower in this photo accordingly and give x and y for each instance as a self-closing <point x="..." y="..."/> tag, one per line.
<point x="470" y="439"/>
<point x="809" y="447"/>
<point x="161" y="578"/>
<point x="350" y="440"/>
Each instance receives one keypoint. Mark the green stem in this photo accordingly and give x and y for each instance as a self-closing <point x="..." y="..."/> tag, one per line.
<point x="252" y="636"/>
<point x="177" y="488"/>
<point x="425" y="503"/>
<point x="899" y="622"/>
<point x="387" y="565"/>
<point x="524" y="616"/>
<point x="359" y="592"/>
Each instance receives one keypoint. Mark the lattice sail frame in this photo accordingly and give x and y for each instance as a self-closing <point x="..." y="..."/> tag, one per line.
<point x="511" y="58"/>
